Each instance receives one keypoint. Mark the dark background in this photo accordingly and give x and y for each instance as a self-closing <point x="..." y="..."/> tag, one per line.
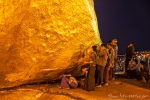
<point x="126" y="20"/>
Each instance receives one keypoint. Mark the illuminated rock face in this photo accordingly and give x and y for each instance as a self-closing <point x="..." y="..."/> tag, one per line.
<point x="41" y="39"/>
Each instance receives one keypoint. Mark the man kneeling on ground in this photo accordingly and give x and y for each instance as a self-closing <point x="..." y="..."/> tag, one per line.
<point x="133" y="68"/>
<point x="143" y="73"/>
<point x="68" y="81"/>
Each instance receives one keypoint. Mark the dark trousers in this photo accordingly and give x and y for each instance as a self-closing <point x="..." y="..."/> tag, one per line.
<point x="113" y="72"/>
<point x="131" y="73"/>
<point x="106" y="74"/>
<point x="126" y="64"/>
<point x="110" y="73"/>
<point x="100" y="74"/>
<point x="114" y="69"/>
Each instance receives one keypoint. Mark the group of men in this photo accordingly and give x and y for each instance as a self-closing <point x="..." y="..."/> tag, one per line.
<point x="99" y="65"/>
<point x="106" y="62"/>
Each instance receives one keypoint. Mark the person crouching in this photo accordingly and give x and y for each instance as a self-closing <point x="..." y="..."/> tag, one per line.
<point x="143" y="73"/>
<point x="68" y="81"/>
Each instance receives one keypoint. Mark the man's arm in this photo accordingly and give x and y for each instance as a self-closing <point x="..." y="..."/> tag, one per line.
<point x="101" y="53"/>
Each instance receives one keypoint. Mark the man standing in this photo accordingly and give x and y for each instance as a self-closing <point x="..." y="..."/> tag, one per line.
<point x="110" y="63"/>
<point x="129" y="55"/>
<point x="101" y="63"/>
<point x="115" y="47"/>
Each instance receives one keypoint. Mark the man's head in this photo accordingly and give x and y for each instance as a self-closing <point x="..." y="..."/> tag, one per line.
<point x="134" y="62"/>
<point x="94" y="48"/>
<point x="142" y="64"/>
<point x="131" y="44"/>
<point x="147" y="55"/>
<point x="109" y="45"/>
<point x="89" y="51"/>
<point x="114" y="41"/>
<point x="103" y="46"/>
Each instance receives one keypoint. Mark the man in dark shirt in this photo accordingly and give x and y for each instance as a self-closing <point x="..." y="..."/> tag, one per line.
<point x="129" y="55"/>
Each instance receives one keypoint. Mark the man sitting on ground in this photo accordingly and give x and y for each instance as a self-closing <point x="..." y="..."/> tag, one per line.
<point x="133" y="67"/>
<point x="143" y="73"/>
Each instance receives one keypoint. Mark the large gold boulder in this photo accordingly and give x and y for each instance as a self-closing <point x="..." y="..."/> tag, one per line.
<point x="41" y="39"/>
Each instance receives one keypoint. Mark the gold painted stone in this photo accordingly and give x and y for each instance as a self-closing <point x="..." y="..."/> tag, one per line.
<point x="41" y="39"/>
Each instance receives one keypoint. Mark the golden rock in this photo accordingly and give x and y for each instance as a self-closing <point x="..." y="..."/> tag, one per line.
<point x="41" y="39"/>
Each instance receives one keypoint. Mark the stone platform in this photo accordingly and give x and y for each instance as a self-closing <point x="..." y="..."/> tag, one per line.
<point x="120" y="89"/>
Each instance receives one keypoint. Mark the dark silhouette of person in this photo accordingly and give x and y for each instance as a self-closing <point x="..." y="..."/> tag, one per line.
<point x="129" y="55"/>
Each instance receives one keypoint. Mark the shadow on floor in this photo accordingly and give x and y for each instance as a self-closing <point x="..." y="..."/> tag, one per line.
<point x="135" y="82"/>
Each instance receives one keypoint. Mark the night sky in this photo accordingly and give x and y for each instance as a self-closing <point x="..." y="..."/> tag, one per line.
<point x="126" y="20"/>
